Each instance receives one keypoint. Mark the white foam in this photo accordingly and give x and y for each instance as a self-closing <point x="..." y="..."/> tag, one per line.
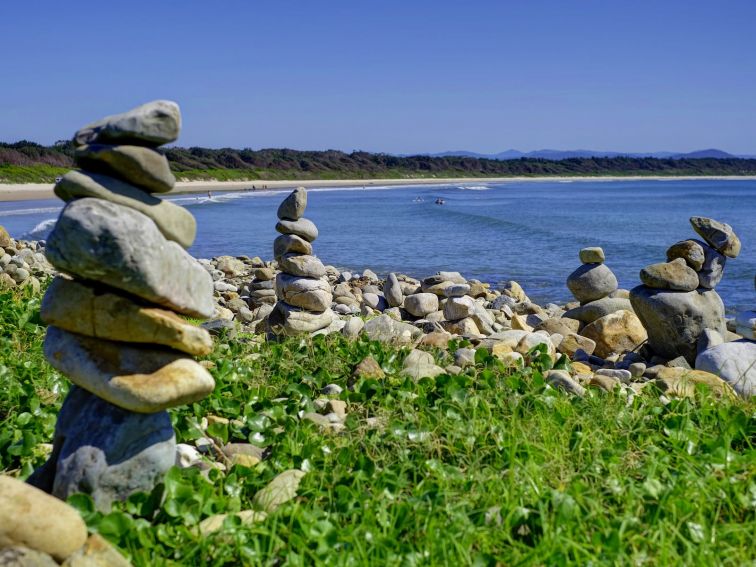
<point x="40" y="231"/>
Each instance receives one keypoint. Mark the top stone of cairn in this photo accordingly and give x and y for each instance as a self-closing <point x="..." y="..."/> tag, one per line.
<point x="152" y="124"/>
<point x="293" y="206"/>
<point x="718" y="235"/>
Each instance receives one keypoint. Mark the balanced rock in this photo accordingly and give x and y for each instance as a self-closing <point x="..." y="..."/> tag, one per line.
<point x="689" y="250"/>
<point x="174" y="222"/>
<point x="591" y="282"/>
<point x="288" y="320"/>
<point x="102" y="313"/>
<point x="734" y="362"/>
<point x="143" y="167"/>
<point x="302" y="265"/>
<point x="121" y="247"/>
<point x="293" y="206"/>
<point x="616" y="333"/>
<point x="105" y="451"/>
<point x="593" y="310"/>
<point x="307" y="293"/>
<point x="675" y="320"/>
<point x="592" y="255"/>
<point x="151" y="124"/>
<point x="31" y="518"/>
<point x="675" y="275"/>
<point x="712" y="270"/>
<point x="290" y="243"/>
<point x="137" y="379"/>
<point x="718" y="235"/>
<point x="304" y="228"/>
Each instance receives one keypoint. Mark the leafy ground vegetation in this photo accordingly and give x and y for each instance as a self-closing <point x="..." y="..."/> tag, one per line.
<point x="484" y="468"/>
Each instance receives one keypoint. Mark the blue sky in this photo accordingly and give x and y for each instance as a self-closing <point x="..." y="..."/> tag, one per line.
<point x="394" y="76"/>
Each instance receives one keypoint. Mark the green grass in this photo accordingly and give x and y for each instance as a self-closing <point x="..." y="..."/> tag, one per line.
<point x="39" y="173"/>
<point x="483" y="468"/>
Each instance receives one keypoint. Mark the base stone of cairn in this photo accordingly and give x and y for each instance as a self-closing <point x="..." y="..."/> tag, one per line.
<point x="114" y="327"/>
<point x="301" y="287"/>
<point x="677" y="301"/>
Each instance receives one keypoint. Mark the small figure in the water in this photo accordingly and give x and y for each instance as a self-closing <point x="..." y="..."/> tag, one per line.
<point x="440" y="201"/>
<point x="209" y="195"/>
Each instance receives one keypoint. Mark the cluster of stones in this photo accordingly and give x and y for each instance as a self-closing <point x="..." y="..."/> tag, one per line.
<point x="22" y="263"/>
<point x="302" y="288"/>
<point x="115" y="325"/>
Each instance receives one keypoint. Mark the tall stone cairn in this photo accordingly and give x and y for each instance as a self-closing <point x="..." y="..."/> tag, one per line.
<point x="114" y="324"/>
<point x="302" y="288"/>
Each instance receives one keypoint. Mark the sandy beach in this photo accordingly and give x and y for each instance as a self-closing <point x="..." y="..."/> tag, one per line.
<point x="35" y="191"/>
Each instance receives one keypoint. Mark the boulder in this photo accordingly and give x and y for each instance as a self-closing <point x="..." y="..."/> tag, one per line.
<point x="615" y="333"/>
<point x="573" y="342"/>
<point x="681" y="382"/>
<point x="308" y="293"/>
<point x="459" y="308"/>
<point x="718" y="235"/>
<point x="675" y="275"/>
<point x="589" y="312"/>
<point x="689" y="250"/>
<point x="392" y="291"/>
<point x="675" y="320"/>
<point x="151" y="124"/>
<point x="288" y="320"/>
<point x="174" y="222"/>
<point x="105" y="451"/>
<point x="102" y="313"/>
<point x="734" y="362"/>
<point x="302" y="265"/>
<point x="138" y="379"/>
<point x="591" y="282"/>
<point x="304" y="228"/>
<point x="294" y="205"/>
<point x="123" y="248"/>
<point x="421" y="304"/>
<point x="142" y="167"/>
<point x="385" y="329"/>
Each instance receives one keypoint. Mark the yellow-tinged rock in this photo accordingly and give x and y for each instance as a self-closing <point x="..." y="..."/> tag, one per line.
<point x="681" y="382"/>
<point x="32" y="518"/>
<point x="511" y="359"/>
<point x="616" y="333"/>
<point x="581" y="368"/>
<point x="138" y="379"/>
<point x="215" y="523"/>
<point x="97" y="552"/>
<point x="519" y="323"/>
<point x="244" y="460"/>
<point x="607" y="383"/>
<point x="103" y="313"/>
<point x="502" y="348"/>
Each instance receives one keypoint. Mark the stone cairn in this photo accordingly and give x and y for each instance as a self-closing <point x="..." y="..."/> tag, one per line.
<point x="113" y="324"/>
<point x="677" y="302"/>
<point x="302" y="287"/>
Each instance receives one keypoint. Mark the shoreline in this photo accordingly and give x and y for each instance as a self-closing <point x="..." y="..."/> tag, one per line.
<point x="39" y="191"/>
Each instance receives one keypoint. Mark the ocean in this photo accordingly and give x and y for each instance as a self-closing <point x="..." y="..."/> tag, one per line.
<point x="530" y="232"/>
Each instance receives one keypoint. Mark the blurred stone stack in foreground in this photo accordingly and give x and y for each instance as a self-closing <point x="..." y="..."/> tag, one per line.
<point x="116" y="329"/>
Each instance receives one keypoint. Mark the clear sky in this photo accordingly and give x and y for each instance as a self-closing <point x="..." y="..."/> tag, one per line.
<point x="391" y="75"/>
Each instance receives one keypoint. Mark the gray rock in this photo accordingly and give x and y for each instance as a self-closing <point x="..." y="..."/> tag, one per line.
<point x="674" y="275"/>
<point x="594" y="310"/>
<point x="302" y="265"/>
<point x="745" y="324"/>
<point x="679" y="362"/>
<point x="637" y="369"/>
<point x="353" y="327"/>
<point x="288" y="320"/>
<point x="290" y="243"/>
<point x="708" y="339"/>
<point x="561" y="380"/>
<point x="294" y="205"/>
<point x="374" y="301"/>
<point x="392" y="291"/>
<point x="734" y="362"/>
<point x="712" y="270"/>
<point x="689" y="250"/>
<point x="302" y="227"/>
<point x="123" y="248"/>
<point x="421" y="304"/>
<point x="385" y="329"/>
<point x="718" y="235"/>
<point x="419" y="364"/>
<point x="675" y="320"/>
<point x="592" y="255"/>
<point x="618" y="374"/>
<point x="464" y="357"/>
<point x="151" y="124"/>
<point x="142" y="167"/>
<point x="174" y="222"/>
<point x="105" y="451"/>
<point x="457" y="290"/>
<point x="19" y="556"/>
<point x="459" y="308"/>
<point x="309" y="293"/>
<point x="591" y="282"/>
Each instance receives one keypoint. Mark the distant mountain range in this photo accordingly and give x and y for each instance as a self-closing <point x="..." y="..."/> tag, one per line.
<point x="566" y="154"/>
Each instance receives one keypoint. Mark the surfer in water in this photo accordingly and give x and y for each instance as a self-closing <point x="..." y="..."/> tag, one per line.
<point x="209" y="195"/>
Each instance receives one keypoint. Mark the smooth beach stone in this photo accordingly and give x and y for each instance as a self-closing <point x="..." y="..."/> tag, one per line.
<point x="718" y="235"/>
<point x="675" y="275"/>
<point x="104" y="314"/>
<point x="689" y="250"/>
<point x="138" y="379"/>
<point x="152" y="124"/>
<point x="562" y="325"/>
<point x="293" y="206"/>
<point x="734" y="362"/>
<point x="420" y="364"/>
<point x="19" y="556"/>
<point x="288" y="320"/>
<point x="591" y="282"/>
<point x="573" y="342"/>
<point x="483" y="319"/>
<point x="561" y="380"/>
<point x="745" y="324"/>
<point x="290" y="244"/>
<point x="676" y="319"/>
<point x="173" y="221"/>
<point x="105" y="451"/>
<point x="459" y="307"/>
<point x="97" y="552"/>
<point x="123" y="248"/>
<point x="589" y="312"/>
<point x="457" y="290"/>
<point x="308" y="293"/>
<point x="386" y="330"/>
<point x="592" y="255"/>
<point x="143" y="167"/>
<point x="712" y="270"/>
<point x="5" y="239"/>
<point x="454" y="277"/>
<point x="464" y="327"/>
<point x="32" y="518"/>
<point x="421" y="304"/>
<point x="302" y="227"/>
<point x="392" y="291"/>
<point x="302" y="265"/>
<point x="278" y="491"/>
<point x="616" y="333"/>
<point x="681" y="382"/>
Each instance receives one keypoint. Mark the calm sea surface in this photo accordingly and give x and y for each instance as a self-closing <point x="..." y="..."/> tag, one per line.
<point x="530" y="232"/>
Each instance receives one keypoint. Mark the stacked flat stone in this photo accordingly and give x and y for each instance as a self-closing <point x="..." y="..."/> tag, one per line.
<point x="114" y="324"/>
<point x="593" y="280"/>
<point x="302" y="288"/>
<point x="677" y="301"/>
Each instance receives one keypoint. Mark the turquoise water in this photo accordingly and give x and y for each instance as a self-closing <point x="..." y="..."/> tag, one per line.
<point x="530" y="232"/>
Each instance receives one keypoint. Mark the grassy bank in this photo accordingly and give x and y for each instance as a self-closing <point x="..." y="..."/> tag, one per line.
<point x="482" y="468"/>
